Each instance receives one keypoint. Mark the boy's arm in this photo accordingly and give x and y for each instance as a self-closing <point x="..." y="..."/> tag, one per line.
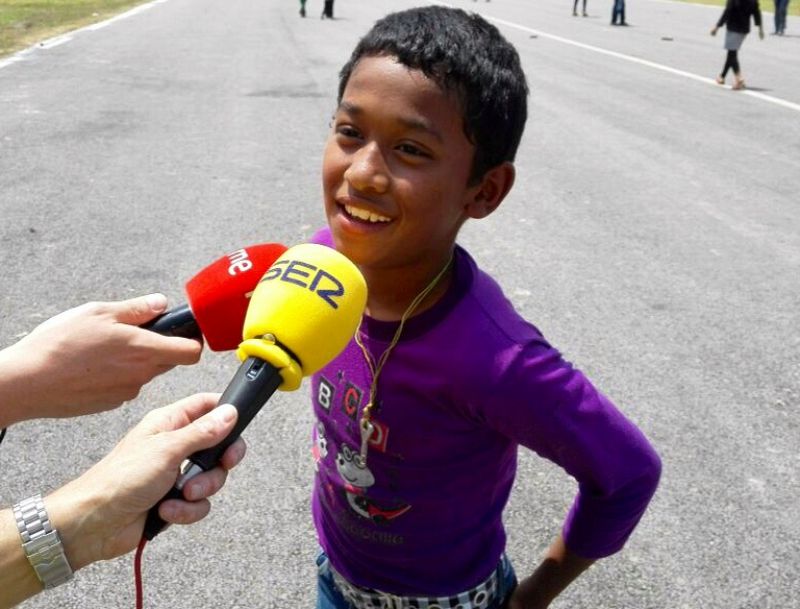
<point x="573" y="425"/>
<point x="558" y="570"/>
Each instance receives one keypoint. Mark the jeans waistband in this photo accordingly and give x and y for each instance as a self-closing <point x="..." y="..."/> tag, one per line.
<point x="479" y="597"/>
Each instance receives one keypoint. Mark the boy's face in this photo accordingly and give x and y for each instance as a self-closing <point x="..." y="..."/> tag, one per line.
<point x="396" y="168"/>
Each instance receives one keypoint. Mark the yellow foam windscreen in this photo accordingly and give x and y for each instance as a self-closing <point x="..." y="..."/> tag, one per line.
<point x="308" y="305"/>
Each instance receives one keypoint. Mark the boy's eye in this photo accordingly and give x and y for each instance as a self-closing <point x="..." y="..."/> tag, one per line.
<point x="412" y="150"/>
<point x="347" y="131"/>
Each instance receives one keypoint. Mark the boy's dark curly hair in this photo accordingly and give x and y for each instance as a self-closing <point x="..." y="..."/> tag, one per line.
<point x="466" y="55"/>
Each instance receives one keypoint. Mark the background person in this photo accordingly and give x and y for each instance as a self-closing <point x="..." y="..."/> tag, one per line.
<point x="781" y="8"/>
<point x="618" y="13"/>
<point x="736" y="18"/>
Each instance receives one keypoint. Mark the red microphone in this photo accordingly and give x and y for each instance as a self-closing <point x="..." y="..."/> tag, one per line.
<point x="218" y="297"/>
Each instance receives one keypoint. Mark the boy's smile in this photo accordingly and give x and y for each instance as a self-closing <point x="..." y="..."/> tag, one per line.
<point x="395" y="172"/>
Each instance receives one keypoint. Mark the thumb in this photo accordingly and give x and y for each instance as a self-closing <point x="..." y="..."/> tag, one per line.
<point x="142" y="309"/>
<point x="205" y="432"/>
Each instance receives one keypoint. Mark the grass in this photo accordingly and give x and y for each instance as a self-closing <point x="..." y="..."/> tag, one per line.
<point x="24" y="22"/>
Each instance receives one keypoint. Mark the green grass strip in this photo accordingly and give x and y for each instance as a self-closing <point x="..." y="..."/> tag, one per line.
<point x="25" y="22"/>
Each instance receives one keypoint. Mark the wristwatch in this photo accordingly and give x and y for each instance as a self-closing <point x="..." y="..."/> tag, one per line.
<point x="41" y="542"/>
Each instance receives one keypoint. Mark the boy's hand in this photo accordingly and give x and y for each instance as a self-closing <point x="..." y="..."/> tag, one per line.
<point x="558" y="569"/>
<point x="525" y="596"/>
<point x="713" y="31"/>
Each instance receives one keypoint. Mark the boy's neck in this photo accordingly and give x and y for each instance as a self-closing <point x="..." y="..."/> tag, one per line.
<point x="390" y="293"/>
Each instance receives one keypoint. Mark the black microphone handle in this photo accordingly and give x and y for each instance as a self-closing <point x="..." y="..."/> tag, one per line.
<point x="253" y="384"/>
<point x="179" y="321"/>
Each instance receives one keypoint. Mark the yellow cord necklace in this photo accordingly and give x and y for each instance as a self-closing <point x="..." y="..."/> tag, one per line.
<point x="365" y="424"/>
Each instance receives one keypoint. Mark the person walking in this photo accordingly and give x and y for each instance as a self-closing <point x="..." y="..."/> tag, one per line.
<point x="575" y="9"/>
<point x="302" y="8"/>
<point x="736" y="19"/>
<point x="327" y="10"/>
<point x="781" y="8"/>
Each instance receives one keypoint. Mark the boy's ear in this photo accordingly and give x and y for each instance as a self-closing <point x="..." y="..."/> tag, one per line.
<point x="492" y="189"/>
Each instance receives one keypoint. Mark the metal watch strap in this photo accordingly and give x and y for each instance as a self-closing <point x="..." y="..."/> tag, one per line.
<point x="41" y="542"/>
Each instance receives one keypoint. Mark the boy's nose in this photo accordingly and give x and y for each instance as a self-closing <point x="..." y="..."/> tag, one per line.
<point x="367" y="171"/>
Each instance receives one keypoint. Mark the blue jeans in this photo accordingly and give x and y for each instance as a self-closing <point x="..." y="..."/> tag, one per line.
<point x="329" y="597"/>
<point x="781" y="6"/>
<point x="618" y="11"/>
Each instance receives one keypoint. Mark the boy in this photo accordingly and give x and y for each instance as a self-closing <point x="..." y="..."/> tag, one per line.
<point x="419" y="419"/>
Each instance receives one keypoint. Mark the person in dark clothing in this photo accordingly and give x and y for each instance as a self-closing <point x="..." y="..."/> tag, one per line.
<point x="781" y="7"/>
<point x="327" y="10"/>
<point x="618" y="12"/>
<point x="302" y="8"/>
<point x="736" y="19"/>
<point x="575" y="9"/>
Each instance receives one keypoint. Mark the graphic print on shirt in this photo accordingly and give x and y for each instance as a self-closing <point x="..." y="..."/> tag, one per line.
<point x="340" y="405"/>
<point x="320" y="448"/>
<point x="357" y="479"/>
<point x="351" y="401"/>
<point x="325" y="393"/>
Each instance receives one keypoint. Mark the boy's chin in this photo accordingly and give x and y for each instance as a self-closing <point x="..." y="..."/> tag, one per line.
<point x="356" y="255"/>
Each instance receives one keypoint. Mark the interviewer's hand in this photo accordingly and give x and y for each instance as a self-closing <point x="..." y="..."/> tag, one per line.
<point x="101" y="515"/>
<point x="88" y="359"/>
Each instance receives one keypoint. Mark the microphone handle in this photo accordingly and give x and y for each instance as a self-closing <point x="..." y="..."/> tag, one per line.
<point x="179" y="321"/>
<point x="253" y="384"/>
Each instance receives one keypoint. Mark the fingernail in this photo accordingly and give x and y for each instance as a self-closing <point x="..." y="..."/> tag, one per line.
<point x="224" y="413"/>
<point x="192" y="493"/>
<point x="238" y="454"/>
<point x="156" y="302"/>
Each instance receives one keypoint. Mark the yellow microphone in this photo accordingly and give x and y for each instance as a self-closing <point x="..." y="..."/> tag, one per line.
<point x="304" y="311"/>
<point x="302" y="314"/>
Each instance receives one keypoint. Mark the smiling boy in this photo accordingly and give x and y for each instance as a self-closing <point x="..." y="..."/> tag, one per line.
<point x="419" y="419"/>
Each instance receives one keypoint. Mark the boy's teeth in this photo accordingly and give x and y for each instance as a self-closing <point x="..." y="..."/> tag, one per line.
<point x="363" y="214"/>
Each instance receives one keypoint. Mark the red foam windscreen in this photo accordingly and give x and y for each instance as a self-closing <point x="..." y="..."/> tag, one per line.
<point x="220" y="294"/>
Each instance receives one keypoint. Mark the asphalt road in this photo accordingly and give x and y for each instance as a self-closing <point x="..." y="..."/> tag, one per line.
<point x="653" y="235"/>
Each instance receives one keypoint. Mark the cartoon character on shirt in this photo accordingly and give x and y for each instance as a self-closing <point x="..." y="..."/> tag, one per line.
<point x="358" y="478"/>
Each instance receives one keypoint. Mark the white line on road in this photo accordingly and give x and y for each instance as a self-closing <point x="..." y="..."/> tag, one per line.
<point x="644" y="62"/>
<point x="54" y="42"/>
<point x="134" y="11"/>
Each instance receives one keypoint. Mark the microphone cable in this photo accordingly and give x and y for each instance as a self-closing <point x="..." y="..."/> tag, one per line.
<point x="137" y="573"/>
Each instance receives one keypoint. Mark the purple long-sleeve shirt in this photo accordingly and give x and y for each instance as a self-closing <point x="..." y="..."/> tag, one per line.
<point x="469" y="381"/>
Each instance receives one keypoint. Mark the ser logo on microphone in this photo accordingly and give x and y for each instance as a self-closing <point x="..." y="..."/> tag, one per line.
<point x="308" y="276"/>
